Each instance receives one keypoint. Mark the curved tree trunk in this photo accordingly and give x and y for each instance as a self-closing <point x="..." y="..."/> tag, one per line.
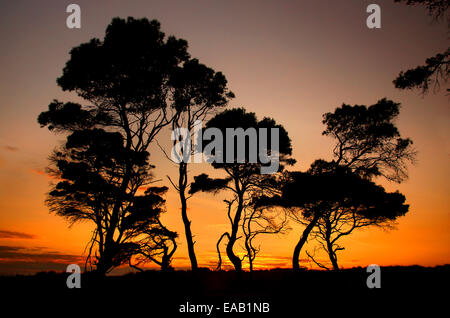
<point x="331" y="252"/>
<point x="237" y="263"/>
<point x="165" y="261"/>
<point x="235" y="260"/>
<point x="333" y="258"/>
<point x="302" y="241"/>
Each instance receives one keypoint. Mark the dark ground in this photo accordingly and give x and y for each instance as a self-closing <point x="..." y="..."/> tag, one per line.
<point x="404" y="290"/>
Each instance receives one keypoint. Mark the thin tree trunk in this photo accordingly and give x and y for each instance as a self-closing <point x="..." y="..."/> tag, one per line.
<point x="237" y="263"/>
<point x="249" y="254"/>
<point x="246" y="228"/>
<point x="330" y="251"/>
<point x="302" y="241"/>
<point x="333" y="258"/>
<point x="186" y="221"/>
<point x="165" y="261"/>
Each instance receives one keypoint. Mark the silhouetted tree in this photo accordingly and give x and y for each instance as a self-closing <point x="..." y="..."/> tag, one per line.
<point x="243" y="172"/>
<point x="353" y="202"/>
<point x="198" y="91"/>
<point x="367" y="142"/>
<point x="154" y="242"/>
<point x="436" y="8"/>
<point x="257" y="221"/>
<point x="91" y="166"/>
<point x="305" y="196"/>
<point x="436" y="68"/>
<point x="157" y="244"/>
<point x="435" y="71"/>
<point x="126" y="79"/>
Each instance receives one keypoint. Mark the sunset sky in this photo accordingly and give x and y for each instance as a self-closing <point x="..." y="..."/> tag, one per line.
<point x="291" y="60"/>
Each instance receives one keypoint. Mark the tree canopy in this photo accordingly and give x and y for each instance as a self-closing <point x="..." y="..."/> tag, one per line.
<point x="435" y="71"/>
<point x="368" y="141"/>
<point x="338" y="201"/>
<point x="243" y="175"/>
<point x="128" y="79"/>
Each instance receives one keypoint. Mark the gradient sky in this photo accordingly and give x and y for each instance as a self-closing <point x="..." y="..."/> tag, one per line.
<point x="292" y="60"/>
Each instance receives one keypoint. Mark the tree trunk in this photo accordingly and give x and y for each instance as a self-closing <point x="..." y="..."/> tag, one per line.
<point x="333" y="260"/>
<point x="302" y="241"/>
<point x="104" y="263"/>
<point x="330" y="251"/>
<point x="186" y="221"/>
<point x="249" y="254"/>
<point x="165" y="261"/>
<point x="237" y="263"/>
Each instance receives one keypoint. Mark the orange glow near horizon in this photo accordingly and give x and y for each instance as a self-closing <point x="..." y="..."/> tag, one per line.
<point x="290" y="61"/>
